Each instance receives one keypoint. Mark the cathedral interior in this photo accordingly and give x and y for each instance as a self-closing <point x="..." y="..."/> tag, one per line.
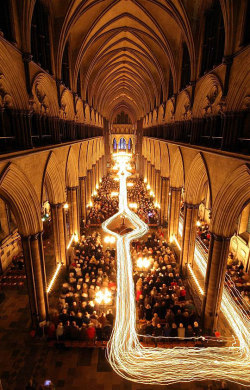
<point x="124" y="194"/>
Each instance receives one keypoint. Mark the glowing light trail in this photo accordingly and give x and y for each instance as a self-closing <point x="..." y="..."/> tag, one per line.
<point x="160" y="365"/>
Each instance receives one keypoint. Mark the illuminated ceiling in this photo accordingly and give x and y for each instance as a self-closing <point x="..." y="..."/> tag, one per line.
<point x="125" y="49"/>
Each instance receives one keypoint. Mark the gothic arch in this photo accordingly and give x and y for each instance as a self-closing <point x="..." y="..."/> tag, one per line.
<point x="157" y="155"/>
<point x="67" y="105"/>
<point x="82" y="162"/>
<point x="71" y="172"/>
<point x="169" y="112"/>
<point x="18" y="192"/>
<point x="207" y="96"/>
<point x="230" y="201"/>
<point x="177" y="170"/>
<point x="183" y="106"/>
<point x="165" y="160"/>
<point x="54" y="181"/>
<point x="197" y="176"/>
<point x="45" y="94"/>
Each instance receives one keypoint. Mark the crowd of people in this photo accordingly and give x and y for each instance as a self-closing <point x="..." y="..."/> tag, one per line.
<point x="240" y="278"/>
<point x="105" y="205"/>
<point x="146" y="208"/>
<point x="91" y="270"/>
<point x="163" y="308"/>
<point x="203" y="233"/>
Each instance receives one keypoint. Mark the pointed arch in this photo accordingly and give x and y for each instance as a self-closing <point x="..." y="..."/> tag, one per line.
<point x="54" y="181"/>
<point x="18" y="192"/>
<point x="157" y="155"/>
<point x="82" y="162"/>
<point x="71" y="172"/>
<point x="197" y="177"/>
<point x="233" y="196"/>
<point x="177" y="170"/>
<point x="165" y="160"/>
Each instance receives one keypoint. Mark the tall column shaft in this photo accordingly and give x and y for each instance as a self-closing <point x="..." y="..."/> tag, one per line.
<point x="214" y="282"/>
<point x="59" y="233"/>
<point x="149" y="173"/>
<point x="93" y="177"/>
<point x="189" y="233"/>
<point x="158" y="185"/>
<point x="89" y="187"/>
<point x="164" y="199"/>
<point x="36" y="277"/>
<point x="152" y="185"/>
<point x="174" y="211"/>
<point x="83" y="203"/>
<point x="73" y="211"/>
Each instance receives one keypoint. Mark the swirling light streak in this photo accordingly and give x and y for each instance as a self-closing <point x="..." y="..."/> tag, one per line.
<point x="160" y="365"/>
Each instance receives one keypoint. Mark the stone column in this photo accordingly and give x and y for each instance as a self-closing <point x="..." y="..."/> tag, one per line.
<point x="93" y="177"/>
<point x="149" y="173"/>
<point x="189" y="234"/>
<point x="145" y="166"/>
<point x="164" y="199"/>
<point x="174" y="211"/>
<point x="36" y="277"/>
<point x="73" y="211"/>
<point x="214" y="281"/>
<point x="97" y="173"/>
<point x="152" y="185"/>
<point x="83" y="203"/>
<point x="59" y="233"/>
<point x="158" y="186"/>
<point x="88" y="187"/>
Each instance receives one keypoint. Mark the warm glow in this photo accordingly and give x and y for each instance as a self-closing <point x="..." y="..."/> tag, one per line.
<point x="133" y="205"/>
<point x="143" y="262"/>
<point x="66" y="206"/>
<point x="103" y="297"/>
<point x="145" y="180"/>
<point x="90" y="204"/>
<point x="54" y="277"/>
<point x="113" y="194"/>
<point x="166" y="366"/>
<point x="148" y="187"/>
<point x="198" y="223"/>
<point x="157" y="205"/>
<point x="94" y="193"/>
<point x="152" y="194"/>
<point x="130" y="184"/>
<point x="109" y="240"/>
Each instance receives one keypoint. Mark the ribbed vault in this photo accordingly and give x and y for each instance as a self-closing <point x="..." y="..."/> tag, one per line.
<point x="124" y="51"/>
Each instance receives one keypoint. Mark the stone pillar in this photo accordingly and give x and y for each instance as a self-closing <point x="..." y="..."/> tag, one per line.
<point x="149" y="173"/>
<point x="73" y="211"/>
<point x="83" y="203"/>
<point x="36" y="277"/>
<point x="93" y="178"/>
<point x="152" y="185"/>
<point x="145" y="167"/>
<point x="189" y="234"/>
<point x="158" y="186"/>
<point x="214" y="281"/>
<point x="97" y="173"/>
<point x="88" y="187"/>
<point x="174" y="211"/>
<point x="59" y="233"/>
<point x="164" y="199"/>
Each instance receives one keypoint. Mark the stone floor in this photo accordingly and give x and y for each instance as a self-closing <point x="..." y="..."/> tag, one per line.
<point x="23" y="356"/>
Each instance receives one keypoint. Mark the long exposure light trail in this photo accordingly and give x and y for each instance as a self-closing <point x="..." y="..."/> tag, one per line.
<point x="162" y="366"/>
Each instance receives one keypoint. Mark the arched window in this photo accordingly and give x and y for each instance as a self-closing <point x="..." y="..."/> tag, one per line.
<point x="40" y="38"/>
<point x="65" y="66"/>
<point x="185" y="69"/>
<point x="214" y="38"/>
<point x="6" y="25"/>
<point x="122" y="144"/>
<point x="129" y="144"/>
<point x="114" y="144"/>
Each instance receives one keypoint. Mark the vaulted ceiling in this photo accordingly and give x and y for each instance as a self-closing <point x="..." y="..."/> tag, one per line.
<point x="125" y="49"/>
